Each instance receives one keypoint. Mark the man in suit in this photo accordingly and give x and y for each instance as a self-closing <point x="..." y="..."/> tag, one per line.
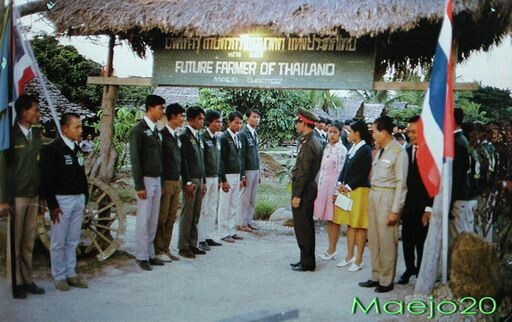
<point x="193" y="174"/>
<point x="66" y="191"/>
<point x="146" y="160"/>
<point x="461" y="217"/>
<point x="21" y="179"/>
<point x="171" y="162"/>
<point x="250" y="169"/>
<point x="230" y="169"/>
<point x="386" y="200"/>
<point x="320" y="131"/>
<point x="207" y="231"/>
<point x="304" y="189"/>
<point x="417" y="210"/>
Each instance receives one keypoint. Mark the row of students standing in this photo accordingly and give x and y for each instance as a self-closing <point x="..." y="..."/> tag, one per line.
<point x="197" y="162"/>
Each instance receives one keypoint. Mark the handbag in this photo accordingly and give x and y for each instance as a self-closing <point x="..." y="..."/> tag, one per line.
<point x="343" y="202"/>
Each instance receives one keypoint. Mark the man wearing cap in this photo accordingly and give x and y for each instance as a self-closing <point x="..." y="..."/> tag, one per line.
<point x="304" y="189"/>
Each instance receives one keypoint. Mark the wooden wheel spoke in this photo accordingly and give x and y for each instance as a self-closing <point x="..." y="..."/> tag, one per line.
<point x="91" y="187"/>
<point x="94" y="242"/>
<point x="110" y="205"/>
<point x="101" y="197"/>
<point x="101" y="235"/>
<point x="106" y="218"/>
<point x="106" y="227"/>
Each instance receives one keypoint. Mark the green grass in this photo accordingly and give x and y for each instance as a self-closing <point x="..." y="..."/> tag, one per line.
<point x="271" y="196"/>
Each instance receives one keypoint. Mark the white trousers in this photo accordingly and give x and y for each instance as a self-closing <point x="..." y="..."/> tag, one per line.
<point x="146" y="221"/>
<point x="229" y="206"/>
<point x="65" y="236"/>
<point x="462" y="211"/>
<point x="209" y="210"/>
<point x="249" y="197"/>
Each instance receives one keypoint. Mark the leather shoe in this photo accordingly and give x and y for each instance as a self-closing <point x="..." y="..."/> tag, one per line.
<point x="204" y="246"/>
<point x="156" y="261"/>
<point x="145" y="265"/>
<point x="212" y="242"/>
<point x="187" y="253"/>
<point x="197" y="251"/>
<point x="19" y="292"/>
<point x="384" y="289"/>
<point x="301" y="268"/>
<point x="174" y="258"/>
<point x="369" y="283"/>
<point x="32" y="288"/>
<point x="404" y="279"/>
<point x="237" y="237"/>
<point x="228" y="239"/>
<point x="295" y="264"/>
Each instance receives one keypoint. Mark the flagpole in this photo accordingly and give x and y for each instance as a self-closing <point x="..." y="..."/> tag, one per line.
<point x="12" y="224"/>
<point x="28" y="49"/>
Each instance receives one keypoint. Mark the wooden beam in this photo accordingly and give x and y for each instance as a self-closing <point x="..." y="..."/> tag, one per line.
<point x="419" y="86"/>
<point x="129" y="81"/>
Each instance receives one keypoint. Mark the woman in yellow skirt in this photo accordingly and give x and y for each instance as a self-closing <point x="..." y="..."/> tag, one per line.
<point x="354" y="182"/>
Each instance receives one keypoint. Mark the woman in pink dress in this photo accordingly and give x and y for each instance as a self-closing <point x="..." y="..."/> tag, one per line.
<point x="330" y="168"/>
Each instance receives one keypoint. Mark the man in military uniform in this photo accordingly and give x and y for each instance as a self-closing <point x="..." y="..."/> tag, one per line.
<point x="193" y="174"/>
<point x="387" y="197"/>
<point x="20" y="176"/>
<point x="250" y="169"/>
<point x="66" y="191"/>
<point x="207" y="231"/>
<point x="146" y="160"/>
<point x="304" y="189"/>
<point x="171" y="162"/>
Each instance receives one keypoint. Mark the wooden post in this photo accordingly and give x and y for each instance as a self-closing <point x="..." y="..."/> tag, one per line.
<point x="108" y="154"/>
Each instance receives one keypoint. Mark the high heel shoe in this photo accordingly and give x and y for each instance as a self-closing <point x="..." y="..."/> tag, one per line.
<point x="326" y="256"/>
<point x="345" y="262"/>
<point x="354" y="267"/>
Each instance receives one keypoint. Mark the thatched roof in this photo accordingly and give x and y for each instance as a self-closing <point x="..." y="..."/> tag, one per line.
<point x="479" y="23"/>
<point x="62" y="104"/>
<point x="182" y="95"/>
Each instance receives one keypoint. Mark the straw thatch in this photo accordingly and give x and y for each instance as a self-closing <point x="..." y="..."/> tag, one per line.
<point x="479" y="24"/>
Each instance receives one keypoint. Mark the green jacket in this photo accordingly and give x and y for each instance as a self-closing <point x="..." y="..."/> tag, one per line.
<point x="230" y="156"/>
<point x="19" y="166"/>
<point x="145" y="153"/>
<point x="192" y="156"/>
<point x="307" y="165"/>
<point x="211" y="154"/>
<point x="249" y="154"/>
<point x="171" y="156"/>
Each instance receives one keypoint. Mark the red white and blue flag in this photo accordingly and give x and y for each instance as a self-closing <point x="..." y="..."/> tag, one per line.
<point x="435" y="154"/>
<point x="24" y="69"/>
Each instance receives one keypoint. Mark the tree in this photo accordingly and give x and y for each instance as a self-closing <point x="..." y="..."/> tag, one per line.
<point x="324" y="100"/>
<point x="68" y="70"/>
<point x="278" y="108"/>
<point x="495" y="102"/>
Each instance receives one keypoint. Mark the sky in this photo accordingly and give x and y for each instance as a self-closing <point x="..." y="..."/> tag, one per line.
<point x="492" y="68"/>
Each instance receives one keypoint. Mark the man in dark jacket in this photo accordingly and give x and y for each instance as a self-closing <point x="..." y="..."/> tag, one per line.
<point x="171" y="162"/>
<point x="304" y="189"/>
<point x="66" y="191"/>
<point x="416" y="212"/>
<point x="21" y="179"/>
<point x="193" y="174"/>
<point x="146" y="160"/>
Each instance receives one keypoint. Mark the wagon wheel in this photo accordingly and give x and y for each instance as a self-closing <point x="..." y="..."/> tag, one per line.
<point x="103" y="225"/>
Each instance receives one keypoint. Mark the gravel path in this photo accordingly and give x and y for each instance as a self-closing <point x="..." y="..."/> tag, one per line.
<point x="248" y="276"/>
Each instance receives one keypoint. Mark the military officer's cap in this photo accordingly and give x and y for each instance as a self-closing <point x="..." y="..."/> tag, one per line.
<point x="307" y="116"/>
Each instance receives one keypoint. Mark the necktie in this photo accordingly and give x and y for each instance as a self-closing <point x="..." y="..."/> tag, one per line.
<point x="29" y="136"/>
<point x="237" y="143"/>
<point x="380" y="153"/>
<point x="414" y="147"/>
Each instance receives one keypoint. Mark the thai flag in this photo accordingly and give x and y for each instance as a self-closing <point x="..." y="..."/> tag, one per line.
<point x="5" y="64"/>
<point x="436" y="126"/>
<point x="24" y="70"/>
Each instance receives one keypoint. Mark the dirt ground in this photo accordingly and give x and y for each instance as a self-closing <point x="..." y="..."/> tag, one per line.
<point x="230" y="281"/>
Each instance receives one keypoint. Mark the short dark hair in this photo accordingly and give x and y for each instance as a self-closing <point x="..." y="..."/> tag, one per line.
<point x="173" y="110"/>
<point x="322" y="120"/>
<point x="458" y="114"/>
<point x="413" y="119"/>
<point x="252" y="110"/>
<point x="338" y="125"/>
<point x="154" y="100"/>
<point x="193" y="112"/>
<point x="24" y="103"/>
<point x="212" y="115"/>
<point x="66" y="118"/>
<point x="233" y="115"/>
<point x="361" y="127"/>
<point x="384" y="123"/>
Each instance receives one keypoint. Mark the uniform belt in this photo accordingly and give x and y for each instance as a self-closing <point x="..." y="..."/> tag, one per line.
<point x="383" y="188"/>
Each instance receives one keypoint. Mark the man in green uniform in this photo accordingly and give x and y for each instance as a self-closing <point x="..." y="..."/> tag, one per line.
<point x="387" y="197"/>
<point x="304" y="189"/>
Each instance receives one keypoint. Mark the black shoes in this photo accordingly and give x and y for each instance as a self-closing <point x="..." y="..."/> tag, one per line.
<point x="301" y="268"/>
<point x="295" y="264"/>
<point x="145" y="265"/>
<point x="187" y="253"/>
<point x="369" y="283"/>
<point x="156" y="262"/>
<point x="404" y="279"/>
<point x="384" y="289"/>
<point x="204" y="246"/>
<point x="19" y="292"/>
<point x="197" y="251"/>
<point x="212" y="242"/>
<point x="32" y="288"/>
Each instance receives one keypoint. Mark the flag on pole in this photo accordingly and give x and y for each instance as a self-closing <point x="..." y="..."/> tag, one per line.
<point x="24" y="70"/>
<point x="5" y="63"/>
<point x="436" y="152"/>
